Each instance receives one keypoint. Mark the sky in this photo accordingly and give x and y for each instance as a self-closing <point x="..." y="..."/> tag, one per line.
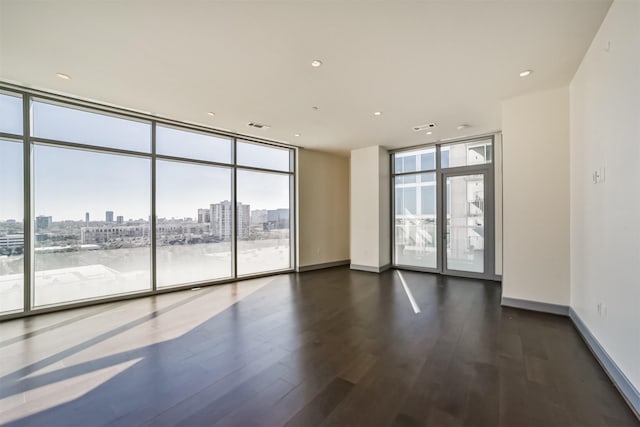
<point x="67" y="183"/>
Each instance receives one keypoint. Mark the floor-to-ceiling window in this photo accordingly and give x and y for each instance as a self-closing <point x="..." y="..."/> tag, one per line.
<point x="415" y="233"/>
<point x="193" y="178"/>
<point x="264" y="192"/>
<point x="91" y="198"/>
<point x="11" y="203"/>
<point x="443" y="212"/>
<point x="119" y="203"/>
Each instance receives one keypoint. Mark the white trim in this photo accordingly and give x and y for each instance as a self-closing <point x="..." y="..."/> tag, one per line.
<point x="619" y="379"/>
<point x="370" y="269"/>
<point x="311" y="267"/>
<point x="562" y="310"/>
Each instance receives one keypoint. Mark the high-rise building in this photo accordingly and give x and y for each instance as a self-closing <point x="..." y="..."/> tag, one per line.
<point x="109" y="216"/>
<point x="43" y="222"/>
<point x="204" y="216"/>
<point x="278" y="218"/>
<point x="221" y="215"/>
<point x="244" y="220"/>
<point x="120" y="219"/>
<point x="86" y="219"/>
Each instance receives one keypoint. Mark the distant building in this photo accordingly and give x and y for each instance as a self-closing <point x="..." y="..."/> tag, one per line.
<point x="106" y="233"/>
<point x="278" y="218"/>
<point x="86" y="219"/>
<point x="221" y="215"/>
<point x="182" y="231"/>
<point x="43" y="222"/>
<point x="11" y="221"/>
<point x="204" y="216"/>
<point x="12" y="241"/>
<point x="258" y="216"/>
<point x="120" y="220"/>
<point x="244" y="220"/>
<point x="109" y="216"/>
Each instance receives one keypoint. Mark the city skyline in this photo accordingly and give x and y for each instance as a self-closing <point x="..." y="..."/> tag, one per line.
<point x="193" y="218"/>
<point x="58" y="191"/>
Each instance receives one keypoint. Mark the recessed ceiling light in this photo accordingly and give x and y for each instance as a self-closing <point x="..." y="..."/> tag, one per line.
<point x="63" y="76"/>
<point x="377" y="113"/>
<point x="429" y="133"/>
<point x="316" y="63"/>
<point x="211" y="114"/>
<point x="525" y="73"/>
<point x="296" y="134"/>
<point x="315" y="108"/>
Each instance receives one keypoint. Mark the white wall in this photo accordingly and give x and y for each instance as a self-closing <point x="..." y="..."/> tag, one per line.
<point x="535" y="144"/>
<point x="497" y="168"/>
<point x="323" y="208"/>
<point x="605" y="217"/>
<point x="384" y="207"/>
<point x="370" y="208"/>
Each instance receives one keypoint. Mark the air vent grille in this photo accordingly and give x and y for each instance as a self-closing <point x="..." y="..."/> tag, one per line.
<point x="258" y="125"/>
<point x="420" y="128"/>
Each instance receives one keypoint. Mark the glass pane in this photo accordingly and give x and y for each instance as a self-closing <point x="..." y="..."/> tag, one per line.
<point x="192" y="145"/>
<point x="11" y="227"/>
<point x="263" y="222"/>
<point x="10" y="114"/>
<point x="415" y="160"/>
<point x="415" y="221"/>
<point x="465" y="223"/>
<point x="53" y="121"/>
<point x="80" y="252"/>
<point x="263" y="156"/>
<point x="466" y="153"/>
<point x="191" y="247"/>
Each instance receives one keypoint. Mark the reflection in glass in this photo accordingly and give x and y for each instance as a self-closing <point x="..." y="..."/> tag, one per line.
<point x="263" y="222"/>
<point x="53" y="121"/>
<point x="466" y="153"/>
<point x="92" y="234"/>
<point x="11" y="227"/>
<point x="10" y="114"/>
<point x="423" y="159"/>
<point x="192" y="145"/>
<point x="465" y="223"/>
<point x="193" y="229"/>
<point x="415" y="220"/>
<point x="264" y="156"/>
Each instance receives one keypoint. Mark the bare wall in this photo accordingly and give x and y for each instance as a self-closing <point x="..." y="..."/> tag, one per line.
<point x="323" y="208"/>
<point x="535" y="144"/>
<point x="605" y="216"/>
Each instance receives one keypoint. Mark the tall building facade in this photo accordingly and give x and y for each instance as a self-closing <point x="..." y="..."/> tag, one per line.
<point x="244" y="220"/>
<point x="204" y="216"/>
<point x="278" y="219"/>
<point x="43" y="222"/>
<point x="221" y="216"/>
<point x="108" y="216"/>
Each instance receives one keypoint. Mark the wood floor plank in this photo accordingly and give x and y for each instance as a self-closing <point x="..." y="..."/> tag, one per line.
<point x="332" y="347"/>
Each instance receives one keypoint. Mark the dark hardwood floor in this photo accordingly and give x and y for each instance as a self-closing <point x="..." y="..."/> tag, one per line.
<point x="327" y="348"/>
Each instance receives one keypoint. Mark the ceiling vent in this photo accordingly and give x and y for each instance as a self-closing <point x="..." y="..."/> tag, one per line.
<point x="420" y="128"/>
<point x="258" y="125"/>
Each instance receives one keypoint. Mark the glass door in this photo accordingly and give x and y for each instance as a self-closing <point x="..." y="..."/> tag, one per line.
<point x="464" y="222"/>
<point x="442" y="208"/>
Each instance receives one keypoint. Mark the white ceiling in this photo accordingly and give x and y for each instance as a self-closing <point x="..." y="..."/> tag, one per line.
<point x="448" y="62"/>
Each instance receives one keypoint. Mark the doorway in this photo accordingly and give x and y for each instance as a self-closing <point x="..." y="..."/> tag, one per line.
<point x="443" y="202"/>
